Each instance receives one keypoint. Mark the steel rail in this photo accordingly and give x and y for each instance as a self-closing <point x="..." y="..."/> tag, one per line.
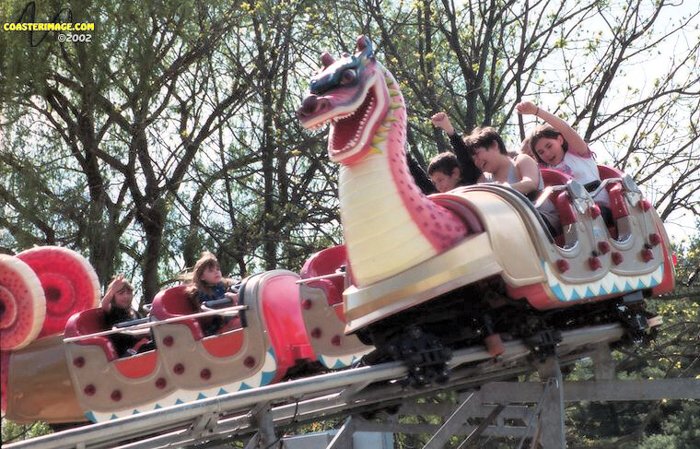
<point x="321" y="395"/>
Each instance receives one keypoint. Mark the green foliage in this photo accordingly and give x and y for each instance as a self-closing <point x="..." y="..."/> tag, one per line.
<point x="672" y="354"/>
<point x="681" y="430"/>
<point x="154" y="74"/>
<point x="13" y="432"/>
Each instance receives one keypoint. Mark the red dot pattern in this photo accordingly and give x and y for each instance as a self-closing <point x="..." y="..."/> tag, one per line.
<point x="439" y="226"/>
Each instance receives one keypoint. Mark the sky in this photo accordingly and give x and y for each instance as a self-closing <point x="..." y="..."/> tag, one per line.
<point x="681" y="224"/>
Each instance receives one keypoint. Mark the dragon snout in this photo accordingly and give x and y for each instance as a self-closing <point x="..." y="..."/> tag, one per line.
<point x="312" y="105"/>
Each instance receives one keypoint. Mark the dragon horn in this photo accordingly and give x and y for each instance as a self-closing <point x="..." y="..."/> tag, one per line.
<point x="327" y="59"/>
<point x="364" y="45"/>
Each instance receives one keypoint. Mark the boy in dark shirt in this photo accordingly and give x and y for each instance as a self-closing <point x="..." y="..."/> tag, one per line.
<point x="470" y="173"/>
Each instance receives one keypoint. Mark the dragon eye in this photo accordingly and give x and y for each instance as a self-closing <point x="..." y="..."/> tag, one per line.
<point x="348" y="77"/>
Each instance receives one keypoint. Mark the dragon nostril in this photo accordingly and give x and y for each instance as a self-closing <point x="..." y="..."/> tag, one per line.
<point x="323" y="105"/>
<point x="309" y="105"/>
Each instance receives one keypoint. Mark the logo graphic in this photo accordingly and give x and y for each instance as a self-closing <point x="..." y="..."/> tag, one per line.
<point x="61" y="22"/>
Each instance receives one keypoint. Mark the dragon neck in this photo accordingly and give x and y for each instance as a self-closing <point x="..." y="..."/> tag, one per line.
<point x="389" y="225"/>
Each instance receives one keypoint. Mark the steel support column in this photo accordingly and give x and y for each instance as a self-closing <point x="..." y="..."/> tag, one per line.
<point x="603" y="363"/>
<point x="266" y="427"/>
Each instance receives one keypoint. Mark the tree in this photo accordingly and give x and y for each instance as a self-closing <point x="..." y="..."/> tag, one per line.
<point x="142" y="136"/>
<point x="12" y="432"/>
<point x="674" y="353"/>
<point x="110" y="122"/>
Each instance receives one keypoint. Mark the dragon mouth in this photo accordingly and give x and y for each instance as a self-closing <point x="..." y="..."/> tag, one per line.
<point x="347" y="130"/>
<point x="354" y="114"/>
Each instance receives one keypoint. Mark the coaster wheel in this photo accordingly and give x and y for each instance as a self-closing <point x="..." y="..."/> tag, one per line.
<point x="69" y="282"/>
<point x="22" y="304"/>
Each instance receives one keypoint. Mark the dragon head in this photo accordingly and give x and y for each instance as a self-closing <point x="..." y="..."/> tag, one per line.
<point x="350" y="94"/>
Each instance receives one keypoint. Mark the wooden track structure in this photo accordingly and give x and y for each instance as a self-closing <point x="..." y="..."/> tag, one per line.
<point x="485" y="401"/>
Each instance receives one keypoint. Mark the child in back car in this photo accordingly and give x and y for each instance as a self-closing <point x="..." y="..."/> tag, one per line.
<point x="116" y="305"/>
<point x="206" y="285"/>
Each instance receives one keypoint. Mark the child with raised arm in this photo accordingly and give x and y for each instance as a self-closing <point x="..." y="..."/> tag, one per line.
<point x="469" y="172"/>
<point x="116" y="304"/>
<point x="444" y="172"/>
<point x="207" y="285"/>
<point x="525" y="148"/>
<point x="558" y="146"/>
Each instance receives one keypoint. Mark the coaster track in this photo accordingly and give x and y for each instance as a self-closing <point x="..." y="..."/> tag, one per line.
<point x="337" y="394"/>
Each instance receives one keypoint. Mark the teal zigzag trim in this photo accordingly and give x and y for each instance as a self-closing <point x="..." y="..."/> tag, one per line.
<point x="610" y="284"/>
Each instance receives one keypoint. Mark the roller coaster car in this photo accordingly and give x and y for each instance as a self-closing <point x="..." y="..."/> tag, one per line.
<point x="593" y="260"/>
<point x="321" y="290"/>
<point x="268" y="342"/>
<point x="429" y="274"/>
<point x="103" y="382"/>
<point x="39" y="385"/>
<point x="588" y="262"/>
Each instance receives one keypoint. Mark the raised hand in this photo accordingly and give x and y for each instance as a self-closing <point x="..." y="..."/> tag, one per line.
<point x="116" y="285"/>
<point x="527" y="107"/>
<point x="442" y="120"/>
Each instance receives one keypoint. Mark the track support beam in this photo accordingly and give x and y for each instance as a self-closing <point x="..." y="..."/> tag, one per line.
<point x="551" y="414"/>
